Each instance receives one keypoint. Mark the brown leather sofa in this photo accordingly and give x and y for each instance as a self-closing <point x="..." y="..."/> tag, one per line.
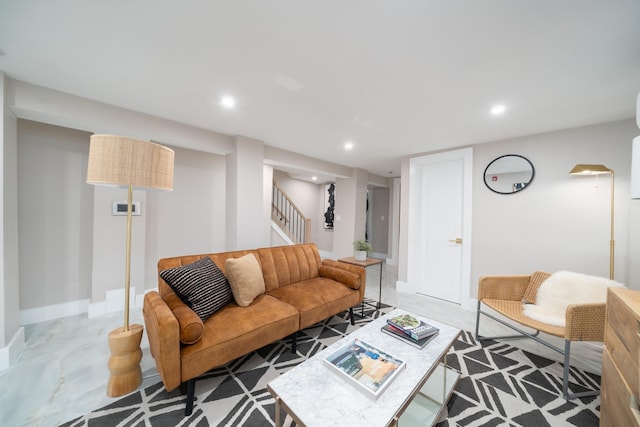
<point x="300" y="290"/>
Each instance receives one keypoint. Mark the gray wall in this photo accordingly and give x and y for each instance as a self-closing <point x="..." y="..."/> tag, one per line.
<point x="200" y="215"/>
<point x="379" y="219"/>
<point x="308" y="197"/>
<point x="350" y="212"/>
<point x="191" y="218"/>
<point x="560" y="222"/>
<point x="67" y="234"/>
<point x="9" y="272"/>
<point x="55" y="210"/>
<point x="247" y="223"/>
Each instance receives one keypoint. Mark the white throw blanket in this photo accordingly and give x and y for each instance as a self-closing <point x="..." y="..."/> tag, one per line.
<point x="564" y="288"/>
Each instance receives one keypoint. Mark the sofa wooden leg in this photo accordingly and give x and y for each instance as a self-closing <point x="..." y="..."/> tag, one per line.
<point x="353" y="322"/>
<point x="191" y="391"/>
<point x="294" y="342"/>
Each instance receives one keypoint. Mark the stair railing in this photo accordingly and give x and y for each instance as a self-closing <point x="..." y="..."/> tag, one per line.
<point x="287" y="215"/>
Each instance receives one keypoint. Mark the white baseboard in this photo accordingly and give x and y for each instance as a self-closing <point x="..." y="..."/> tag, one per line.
<point x="114" y="302"/>
<point x="469" y="304"/>
<point x="403" y="287"/>
<point x="10" y="353"/>
<point x="54" y="311"/>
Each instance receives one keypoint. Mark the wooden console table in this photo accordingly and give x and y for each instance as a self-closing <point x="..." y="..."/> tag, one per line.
<point x="620" y="388"/>
<point x="367" y="263"/>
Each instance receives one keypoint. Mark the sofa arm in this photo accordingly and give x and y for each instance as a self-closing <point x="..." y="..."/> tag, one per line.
<point x="164" y="338"/>
<point x="585" y="322"/>
<point x="189" y="323"/>
<point x="345" y="277"/>
<point x="508" y="288"/>
<point x="336" y="267"/>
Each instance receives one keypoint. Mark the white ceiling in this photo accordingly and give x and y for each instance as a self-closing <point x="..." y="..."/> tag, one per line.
<point x="395" y="77"/>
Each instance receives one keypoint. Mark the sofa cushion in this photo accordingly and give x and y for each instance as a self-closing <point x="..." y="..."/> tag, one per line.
<point x="245" y="278"/>
<point x="317" y="299"/>
<point x="235" y="331"/>
<point x="201" y="285"/>
<point x="285" y="265"/>
<point x="531" y="290"/>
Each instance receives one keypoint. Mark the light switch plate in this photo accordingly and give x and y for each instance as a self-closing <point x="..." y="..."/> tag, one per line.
<point x="120" y="208"/>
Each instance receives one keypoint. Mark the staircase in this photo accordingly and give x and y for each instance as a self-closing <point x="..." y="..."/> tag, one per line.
<point x="288" y="217"/>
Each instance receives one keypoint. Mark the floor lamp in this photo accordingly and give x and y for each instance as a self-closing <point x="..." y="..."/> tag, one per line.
<point x="118" y="161"/>
<point x="598" y="170"/>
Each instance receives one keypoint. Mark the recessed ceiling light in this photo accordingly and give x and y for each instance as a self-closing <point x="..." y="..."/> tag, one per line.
<point x="228" y="101"/>
<point x="498" y="109"/>
<point x="314" y="178"/>
<point x="348" y="145"/>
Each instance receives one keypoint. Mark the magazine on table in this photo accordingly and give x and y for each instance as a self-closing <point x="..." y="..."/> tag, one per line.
<point x="403" y="336"/>
<point x="412" y="326"/>
<point x="368" y="368"/>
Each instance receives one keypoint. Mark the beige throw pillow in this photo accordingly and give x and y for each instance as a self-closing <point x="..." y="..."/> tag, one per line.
<point x="245" y="279"/>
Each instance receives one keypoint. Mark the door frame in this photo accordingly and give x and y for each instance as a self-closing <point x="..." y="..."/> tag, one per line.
<point x="466" y="155"/>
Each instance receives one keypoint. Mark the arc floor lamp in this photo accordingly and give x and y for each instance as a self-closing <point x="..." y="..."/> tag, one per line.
<point x="582" y="169"/>
<point x="118" y="161"/>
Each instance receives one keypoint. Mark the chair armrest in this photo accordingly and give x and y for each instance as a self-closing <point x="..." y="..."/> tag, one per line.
<point x="507" y="288"/>
<point x="347" y="268"/>
<point x="164" y="338"/>
<point x="585" y="322"/>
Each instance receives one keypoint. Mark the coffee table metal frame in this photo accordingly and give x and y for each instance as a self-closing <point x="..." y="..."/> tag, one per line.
<point x="313" y="395"/>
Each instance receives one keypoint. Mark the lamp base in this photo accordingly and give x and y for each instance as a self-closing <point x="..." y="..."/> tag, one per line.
<point x="124" y="363"/>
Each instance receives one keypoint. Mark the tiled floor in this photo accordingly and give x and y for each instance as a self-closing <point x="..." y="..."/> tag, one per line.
<point x="62" y="371"/>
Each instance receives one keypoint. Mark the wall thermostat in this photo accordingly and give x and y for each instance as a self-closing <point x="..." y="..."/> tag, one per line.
<point x="120" y="208"/>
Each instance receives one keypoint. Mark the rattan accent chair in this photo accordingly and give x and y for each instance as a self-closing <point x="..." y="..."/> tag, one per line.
<point x="506" y="294"/>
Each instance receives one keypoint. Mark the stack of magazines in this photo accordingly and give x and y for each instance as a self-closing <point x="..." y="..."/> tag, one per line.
<point x="410" y="329"/>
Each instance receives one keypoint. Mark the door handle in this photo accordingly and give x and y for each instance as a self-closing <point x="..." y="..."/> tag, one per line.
<point x="457" y="241"/>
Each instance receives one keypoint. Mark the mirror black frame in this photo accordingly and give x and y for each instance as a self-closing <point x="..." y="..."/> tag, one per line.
<point x="533" y="174"/>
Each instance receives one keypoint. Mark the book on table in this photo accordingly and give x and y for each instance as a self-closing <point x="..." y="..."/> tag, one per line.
<point x="368" y="368"/>
<point x="389" y="329"/>
<point x="412" y="326"/>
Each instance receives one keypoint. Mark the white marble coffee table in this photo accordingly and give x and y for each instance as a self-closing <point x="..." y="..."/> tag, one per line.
<point x="313" y="395"/>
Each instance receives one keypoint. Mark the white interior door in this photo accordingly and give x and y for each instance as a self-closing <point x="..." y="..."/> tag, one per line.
<point x="439" y="227"/>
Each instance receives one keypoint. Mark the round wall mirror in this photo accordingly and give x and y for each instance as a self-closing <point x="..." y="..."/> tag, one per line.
<point x="509" y="174"/>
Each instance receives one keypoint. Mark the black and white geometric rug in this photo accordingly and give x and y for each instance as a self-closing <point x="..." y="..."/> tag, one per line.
<point x="500" y="385"/>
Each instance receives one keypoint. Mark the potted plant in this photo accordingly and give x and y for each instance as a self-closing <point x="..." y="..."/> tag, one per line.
<point x="360" y="249"/>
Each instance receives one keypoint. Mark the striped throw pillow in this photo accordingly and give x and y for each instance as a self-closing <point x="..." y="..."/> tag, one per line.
<point x="200" y="285"/>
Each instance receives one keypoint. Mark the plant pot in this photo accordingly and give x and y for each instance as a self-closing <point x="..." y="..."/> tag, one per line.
<point x="360" y="255"/>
